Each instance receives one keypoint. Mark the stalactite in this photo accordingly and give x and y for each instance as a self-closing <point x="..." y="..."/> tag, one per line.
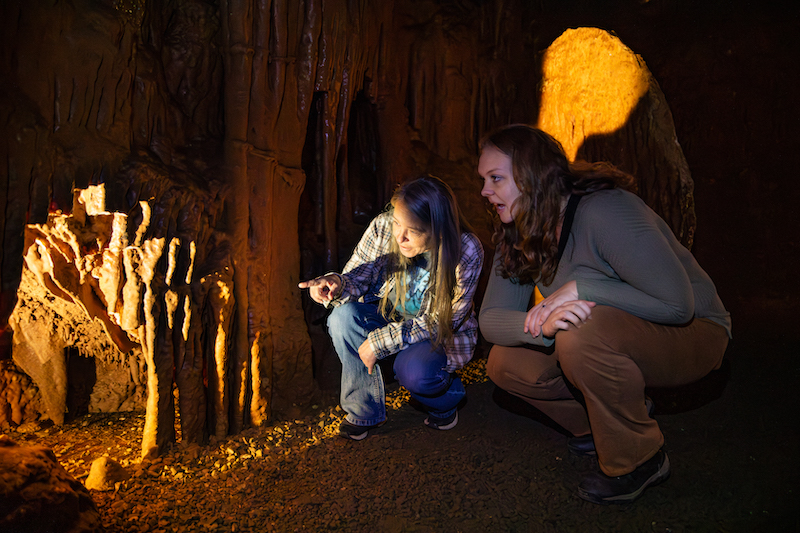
<point x="189" y="367"/>
<point x="326" y="146"/>
<point x="262" y="242"/>
<point x="261" y="357"/>
<point x="159" y="424"/>
<point x="291" y="372"/>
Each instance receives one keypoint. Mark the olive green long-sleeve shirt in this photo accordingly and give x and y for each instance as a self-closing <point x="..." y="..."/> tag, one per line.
<point x="622" y="254"/>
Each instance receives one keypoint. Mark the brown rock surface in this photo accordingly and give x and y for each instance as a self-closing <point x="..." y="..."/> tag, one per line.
<point x="37" y="494"/>
<point x="20" y="400"/>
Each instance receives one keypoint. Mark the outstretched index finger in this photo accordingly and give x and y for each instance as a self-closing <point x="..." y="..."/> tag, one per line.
<point x="310" y="283"/>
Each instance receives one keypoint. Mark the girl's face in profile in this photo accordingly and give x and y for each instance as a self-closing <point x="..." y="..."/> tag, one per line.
<point x="411" y="236"/>
<point x="499" y="186"/>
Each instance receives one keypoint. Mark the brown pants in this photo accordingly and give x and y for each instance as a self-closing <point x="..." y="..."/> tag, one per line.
<point x="610" y="359"/>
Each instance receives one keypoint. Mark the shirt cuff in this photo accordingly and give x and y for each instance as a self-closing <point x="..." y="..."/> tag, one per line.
<point x="375" y="343"/>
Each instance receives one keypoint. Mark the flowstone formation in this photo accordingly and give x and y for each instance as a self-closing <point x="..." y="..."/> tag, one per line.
<point x="138" y="305"/>
<point x="68" y="298"/>
<point x="599" y="99"/>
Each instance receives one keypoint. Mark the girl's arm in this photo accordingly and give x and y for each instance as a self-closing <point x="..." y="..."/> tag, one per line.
<point x="362" y="272"/>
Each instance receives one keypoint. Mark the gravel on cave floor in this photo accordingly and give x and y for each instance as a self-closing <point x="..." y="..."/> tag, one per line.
<point x="495" y="471"/>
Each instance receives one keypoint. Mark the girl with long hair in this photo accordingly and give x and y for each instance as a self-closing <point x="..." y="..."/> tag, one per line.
<point x="405" y="293"/>
<point x="624" y="306"/>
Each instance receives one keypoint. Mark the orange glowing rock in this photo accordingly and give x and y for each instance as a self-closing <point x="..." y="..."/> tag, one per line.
<point x="591" y="84"/>
<point x="598" y="98"/>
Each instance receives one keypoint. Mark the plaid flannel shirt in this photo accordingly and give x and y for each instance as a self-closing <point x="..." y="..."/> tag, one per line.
<point x="365" y="278"/>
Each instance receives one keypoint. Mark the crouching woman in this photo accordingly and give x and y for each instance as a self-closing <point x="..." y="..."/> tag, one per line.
<point x="625" y="305"/>
<point x="406" y="293"/>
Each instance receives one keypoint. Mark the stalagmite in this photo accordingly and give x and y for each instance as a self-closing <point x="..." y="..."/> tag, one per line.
<point x="220" y="305"/>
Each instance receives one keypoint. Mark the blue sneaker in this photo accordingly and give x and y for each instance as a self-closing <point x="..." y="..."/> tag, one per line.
<point x="434" y="422"/>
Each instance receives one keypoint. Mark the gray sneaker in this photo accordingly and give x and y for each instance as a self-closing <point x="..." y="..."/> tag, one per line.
<point x="352" y="431"/>
<point x="603" y="489"/>
<point x="435" y="422"/>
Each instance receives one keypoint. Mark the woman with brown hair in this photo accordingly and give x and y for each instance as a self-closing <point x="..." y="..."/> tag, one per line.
<point x="625" y="306"/>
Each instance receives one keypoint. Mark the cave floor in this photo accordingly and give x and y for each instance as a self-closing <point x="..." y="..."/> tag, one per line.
<point x="732" y="440"/>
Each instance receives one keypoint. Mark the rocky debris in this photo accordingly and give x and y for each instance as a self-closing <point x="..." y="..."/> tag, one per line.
<point x="37" y="494"/>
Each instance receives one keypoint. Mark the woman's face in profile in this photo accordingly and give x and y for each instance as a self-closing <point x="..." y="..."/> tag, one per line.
<point x="411" y="236"/>
<point x="499" y="186"/>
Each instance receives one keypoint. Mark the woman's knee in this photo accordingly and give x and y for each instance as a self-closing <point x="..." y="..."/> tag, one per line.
<point x="588" y="348"/>
<point x="341" y="317"/>
<point x="351" y="322"/>
<point x="422" y="372"/>
<point x="522" y="371"/>
<point x="499" y="366"/>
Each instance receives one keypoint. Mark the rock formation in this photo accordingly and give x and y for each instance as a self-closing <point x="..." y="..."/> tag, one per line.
<point x="105" y="474"/>
<point x="600" y="100"/>
<point x="37" y="494"/>
<point x="242" y="147"/>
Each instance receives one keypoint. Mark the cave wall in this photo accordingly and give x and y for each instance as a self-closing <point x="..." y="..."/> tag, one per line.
<point x="247" y="144"/>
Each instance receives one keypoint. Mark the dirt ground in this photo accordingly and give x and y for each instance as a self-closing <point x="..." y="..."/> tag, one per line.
<point x="732" y="441"/>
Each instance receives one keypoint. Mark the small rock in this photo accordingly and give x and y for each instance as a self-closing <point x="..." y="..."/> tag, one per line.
<point x="104" y="474"/>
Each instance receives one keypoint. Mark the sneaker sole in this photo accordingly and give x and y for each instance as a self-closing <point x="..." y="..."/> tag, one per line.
<point x="451" y="425"/>
<point x="659" y="477"/>
<point x="360" y="436"/>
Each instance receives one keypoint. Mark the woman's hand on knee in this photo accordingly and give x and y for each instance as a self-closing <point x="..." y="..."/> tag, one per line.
<point x="322" y="289"/>
<point x="566" y="316"/>
<point x="539" y="313"/>
<point x="367" y="355"/>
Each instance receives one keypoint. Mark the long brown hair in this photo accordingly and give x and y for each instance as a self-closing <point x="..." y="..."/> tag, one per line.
<point x="432" y="202"/>
<point x="544" y="176"/>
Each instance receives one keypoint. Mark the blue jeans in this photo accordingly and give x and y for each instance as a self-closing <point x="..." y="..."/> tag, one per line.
<point x="419" y="368"/>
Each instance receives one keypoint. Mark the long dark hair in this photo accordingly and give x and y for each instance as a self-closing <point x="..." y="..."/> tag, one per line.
<point x="432" y="202"/>
<point x="544" y="176"/>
